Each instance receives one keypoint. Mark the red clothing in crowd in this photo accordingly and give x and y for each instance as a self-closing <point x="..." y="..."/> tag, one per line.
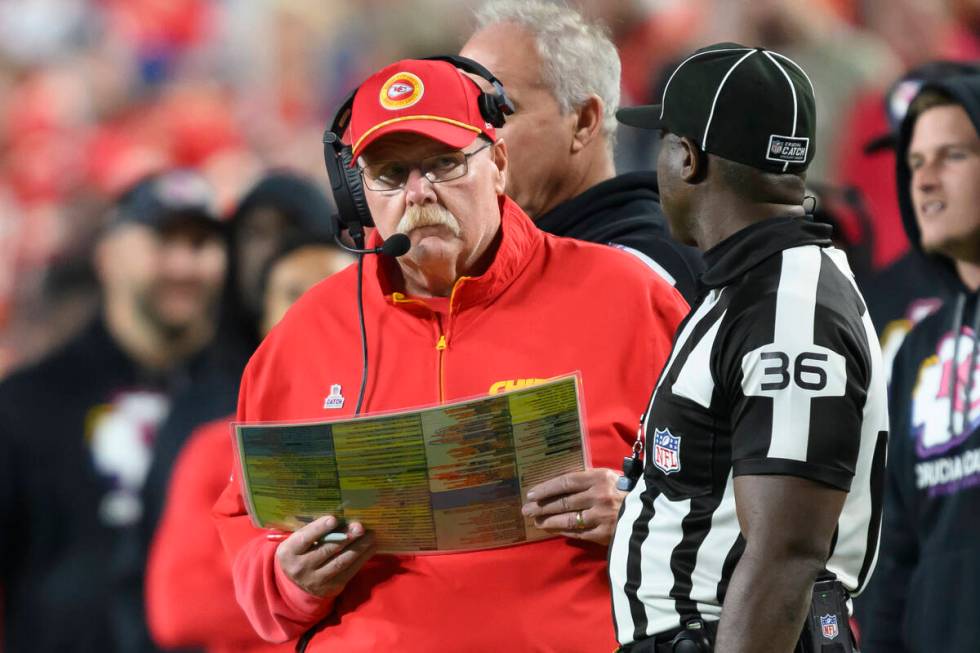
<point x="547" y="306"/>
<point x="190" y="598"/>
<point x="874" y="175"/>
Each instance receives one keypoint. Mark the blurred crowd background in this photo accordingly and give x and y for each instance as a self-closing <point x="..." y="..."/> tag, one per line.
<point x="96" y="93"/>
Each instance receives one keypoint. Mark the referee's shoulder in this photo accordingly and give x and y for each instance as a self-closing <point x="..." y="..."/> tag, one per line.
<point x="757" y="290"/>
<point x="827" y="286"/>
<point x="837" y="292"/>
<point x="760" y="287"/>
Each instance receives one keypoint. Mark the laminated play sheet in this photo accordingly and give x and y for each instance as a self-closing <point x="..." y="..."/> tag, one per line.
<point x="446" y="478"/>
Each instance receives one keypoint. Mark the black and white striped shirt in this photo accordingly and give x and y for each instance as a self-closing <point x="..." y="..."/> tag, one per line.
<point x="777" y="370"/>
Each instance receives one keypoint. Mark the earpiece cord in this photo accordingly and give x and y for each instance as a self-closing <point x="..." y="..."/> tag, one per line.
<point x="364" y="347"/>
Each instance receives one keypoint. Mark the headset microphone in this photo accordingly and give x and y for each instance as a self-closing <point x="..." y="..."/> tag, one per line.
<point x="395" y="246"/>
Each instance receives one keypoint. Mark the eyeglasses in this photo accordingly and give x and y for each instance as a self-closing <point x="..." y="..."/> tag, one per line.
<point x="393" y="175"/>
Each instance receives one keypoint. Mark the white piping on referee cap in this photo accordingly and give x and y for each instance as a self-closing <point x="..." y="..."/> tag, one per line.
<point x="799" y="68"/>
<point x="663" y="101"/>
<point x="792" y="89"/>
<point x="711" y="114"/>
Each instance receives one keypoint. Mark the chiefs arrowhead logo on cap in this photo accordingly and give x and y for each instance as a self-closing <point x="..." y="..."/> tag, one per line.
<point x="401" y="91"/>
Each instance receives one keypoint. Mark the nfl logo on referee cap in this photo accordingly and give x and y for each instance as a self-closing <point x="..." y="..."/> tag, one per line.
<point x="666" y="451"/>
<point x="828" y="626"/>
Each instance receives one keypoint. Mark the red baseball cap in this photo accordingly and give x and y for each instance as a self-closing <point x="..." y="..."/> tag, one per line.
<point x="431" y="98"/>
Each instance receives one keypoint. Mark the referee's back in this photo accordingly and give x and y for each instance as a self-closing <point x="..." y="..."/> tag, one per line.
<point x="776" y="371"/>
<point x="757" y="514"/>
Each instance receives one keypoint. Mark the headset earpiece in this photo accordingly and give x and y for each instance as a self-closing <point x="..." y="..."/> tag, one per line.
<point x="345" y="177"/>
<point x="490" y="110"/>
<point x="347" y="187"/>
<point x="494" y="107"/>
<point x="355" y="186"/>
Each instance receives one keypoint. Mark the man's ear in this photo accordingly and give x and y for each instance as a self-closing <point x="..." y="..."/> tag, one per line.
<point x="499" y="153"/>
<point x="588" y="125"/>
<point x="694" y="164"/>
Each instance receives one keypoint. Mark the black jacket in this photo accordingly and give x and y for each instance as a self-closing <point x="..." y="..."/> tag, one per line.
<point x="905" y="291"/>
<point x="625" y="211"/>
<point x="76" y="432"/>
<point x="926" y="588"/>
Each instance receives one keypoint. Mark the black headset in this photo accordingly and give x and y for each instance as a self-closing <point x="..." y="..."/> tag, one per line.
<point x="345" y="178"/>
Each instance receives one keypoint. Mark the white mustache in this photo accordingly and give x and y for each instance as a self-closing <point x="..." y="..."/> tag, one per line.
<point x="429" y="215"/>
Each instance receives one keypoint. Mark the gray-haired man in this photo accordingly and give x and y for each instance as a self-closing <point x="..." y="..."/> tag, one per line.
<point x="562" y="74"/>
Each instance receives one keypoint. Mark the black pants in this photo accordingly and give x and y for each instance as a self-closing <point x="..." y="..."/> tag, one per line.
<point x="661" y="643"/>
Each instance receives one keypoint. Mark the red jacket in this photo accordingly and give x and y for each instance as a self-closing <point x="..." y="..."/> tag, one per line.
<point x="190" y="598"/>
<point x="547" y="306"/>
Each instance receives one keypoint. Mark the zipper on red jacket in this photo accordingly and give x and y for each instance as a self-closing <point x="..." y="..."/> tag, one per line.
<point x="442" y="336"/>
<point x="441" y="354"/>
<point x="442" y="342"/>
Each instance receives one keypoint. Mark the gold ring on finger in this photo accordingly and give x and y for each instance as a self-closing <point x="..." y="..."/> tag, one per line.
<point x="579" y="521"/>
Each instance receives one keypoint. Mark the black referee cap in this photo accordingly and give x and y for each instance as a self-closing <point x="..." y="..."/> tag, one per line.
<point x="749" y="105"/>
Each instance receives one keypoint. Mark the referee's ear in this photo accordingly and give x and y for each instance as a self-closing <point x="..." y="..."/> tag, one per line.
<point x="694" y="162"/>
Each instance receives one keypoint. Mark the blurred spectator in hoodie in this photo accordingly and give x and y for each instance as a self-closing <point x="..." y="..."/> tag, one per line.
<point x="926" y="586"/>
<point x="77" y="429"/>
<point x="908" y="290"/>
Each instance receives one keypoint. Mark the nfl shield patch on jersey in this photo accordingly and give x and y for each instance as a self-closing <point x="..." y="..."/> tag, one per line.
<point x="828" y="626"/>
<point x="666" y="451"/>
